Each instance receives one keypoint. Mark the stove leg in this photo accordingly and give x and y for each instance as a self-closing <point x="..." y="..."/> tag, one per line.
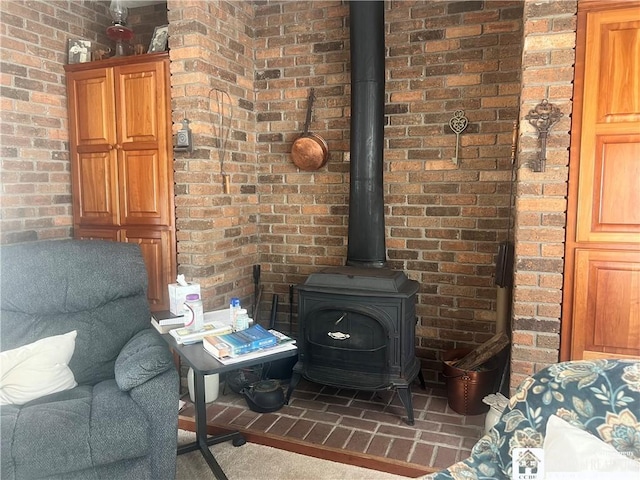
<point x="405" y="397"/>
<point x="293" y="383"/>
<point x="421" y="378"/>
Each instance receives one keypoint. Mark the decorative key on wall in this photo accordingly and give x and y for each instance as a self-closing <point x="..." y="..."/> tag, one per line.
<point x="458" y="123"/>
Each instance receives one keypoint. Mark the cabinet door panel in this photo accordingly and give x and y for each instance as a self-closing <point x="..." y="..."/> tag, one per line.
<point x="92" y="116"/>
<point x="607" y="302"/>
<point x="144" y="188"/>
<point x="141" y="98"/>
<point x="610" y="191"/>
<point x="156" y="251"/>
<point x="619" y="92"/>
<point x="95" y="189"/>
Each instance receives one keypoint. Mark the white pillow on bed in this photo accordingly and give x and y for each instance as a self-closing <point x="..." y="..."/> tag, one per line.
<point x="37" y="369"/>
<point x="572" y="453"/>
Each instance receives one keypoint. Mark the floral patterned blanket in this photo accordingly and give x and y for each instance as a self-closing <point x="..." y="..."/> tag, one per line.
<point x="601" y="397"/>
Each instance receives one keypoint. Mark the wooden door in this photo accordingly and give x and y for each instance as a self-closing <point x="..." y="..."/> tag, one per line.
<point x="601" y="306"/>
<point x="92" y="125"/>
<point x="143" y="145"/>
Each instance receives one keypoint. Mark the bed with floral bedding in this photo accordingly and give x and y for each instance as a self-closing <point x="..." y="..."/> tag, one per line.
<point x="601" y="397"/>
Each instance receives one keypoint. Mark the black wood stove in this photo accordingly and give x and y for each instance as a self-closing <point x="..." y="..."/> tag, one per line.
<point x="357" y="323"/>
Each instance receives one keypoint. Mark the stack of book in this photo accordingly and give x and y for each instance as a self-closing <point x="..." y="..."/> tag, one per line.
<point x="215" y="322"/>
<point x="252" y="342"/>
<point x="165" y="321"/>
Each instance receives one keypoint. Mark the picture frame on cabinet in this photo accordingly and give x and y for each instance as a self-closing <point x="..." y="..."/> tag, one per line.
<point x="79" y="50"/>
<point x="159" y="39"/>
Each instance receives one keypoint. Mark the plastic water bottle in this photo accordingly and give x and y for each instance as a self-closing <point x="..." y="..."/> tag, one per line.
<point x="234" y="306"/>
<point x="195" y="312"/>
<point x="242" y="320"/>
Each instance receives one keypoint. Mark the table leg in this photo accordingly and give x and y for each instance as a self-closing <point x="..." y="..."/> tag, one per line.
<point x="203" y="442"/>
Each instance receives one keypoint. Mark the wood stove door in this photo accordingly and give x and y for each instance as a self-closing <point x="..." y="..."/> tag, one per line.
<point x="346" y="347"/>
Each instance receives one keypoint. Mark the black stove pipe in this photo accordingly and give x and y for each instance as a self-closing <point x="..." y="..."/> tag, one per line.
<point x="366" y="241"/>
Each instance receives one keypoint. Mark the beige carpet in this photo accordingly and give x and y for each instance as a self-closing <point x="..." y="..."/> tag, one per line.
<point x="258" y="462"/>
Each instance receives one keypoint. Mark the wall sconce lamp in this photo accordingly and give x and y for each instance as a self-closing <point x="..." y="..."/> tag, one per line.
<point x="543" y="117"/>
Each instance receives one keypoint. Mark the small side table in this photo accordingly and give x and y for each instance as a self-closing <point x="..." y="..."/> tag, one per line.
<point x="203" y="364"/>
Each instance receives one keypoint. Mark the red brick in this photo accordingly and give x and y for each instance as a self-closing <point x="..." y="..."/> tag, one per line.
<point x="444" y="457"/>
<point x="400" y="449"/>
<point x="338" y="437"/>
<point x="281" y="426"/>
<point x="359" y="441"/>
<point x="319" y="433"/>
<point x="422" y="454"/>
<point x="379" y="446"/>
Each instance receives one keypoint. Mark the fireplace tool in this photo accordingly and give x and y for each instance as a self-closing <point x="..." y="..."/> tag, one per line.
<point x="504" y="267"/>
<point x="224" y="109"/>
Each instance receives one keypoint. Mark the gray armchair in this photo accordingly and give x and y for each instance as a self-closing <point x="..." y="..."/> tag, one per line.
<point x="120" y="421"/>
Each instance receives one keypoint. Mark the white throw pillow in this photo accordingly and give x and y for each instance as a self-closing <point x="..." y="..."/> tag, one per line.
<point x="38" y="369"/>
<point x="572" y="453"/>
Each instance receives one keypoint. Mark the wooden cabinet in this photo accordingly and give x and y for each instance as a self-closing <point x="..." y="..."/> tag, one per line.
<point x="601" y="305"/>
<point x="121" y="159"/>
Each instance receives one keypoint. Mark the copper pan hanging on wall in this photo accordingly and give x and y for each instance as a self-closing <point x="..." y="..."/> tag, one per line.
<point x="309" y="151"/>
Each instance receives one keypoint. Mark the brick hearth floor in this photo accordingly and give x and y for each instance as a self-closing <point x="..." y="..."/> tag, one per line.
<point x="358" y="422"/>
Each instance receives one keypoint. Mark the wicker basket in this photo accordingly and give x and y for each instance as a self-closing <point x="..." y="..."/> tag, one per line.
<point x="466" y="389"/>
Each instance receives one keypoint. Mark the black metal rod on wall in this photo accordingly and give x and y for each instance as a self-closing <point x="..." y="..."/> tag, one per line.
<point x="366" y="247"/>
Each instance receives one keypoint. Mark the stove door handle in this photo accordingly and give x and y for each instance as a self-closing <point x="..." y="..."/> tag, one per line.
<point x="340" y="319"/>
<point x="339" y="335"/>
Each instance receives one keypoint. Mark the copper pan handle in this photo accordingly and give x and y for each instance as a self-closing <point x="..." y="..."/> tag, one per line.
<point x="309" y="107"/>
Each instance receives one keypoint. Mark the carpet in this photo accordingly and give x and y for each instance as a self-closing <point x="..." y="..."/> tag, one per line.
<point x="259" y="462"/>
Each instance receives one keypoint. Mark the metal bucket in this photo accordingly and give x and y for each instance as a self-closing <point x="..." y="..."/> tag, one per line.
<point x="466" y="389"/>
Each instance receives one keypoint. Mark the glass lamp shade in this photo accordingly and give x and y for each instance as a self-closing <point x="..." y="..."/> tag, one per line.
<point x="119" y="12"/>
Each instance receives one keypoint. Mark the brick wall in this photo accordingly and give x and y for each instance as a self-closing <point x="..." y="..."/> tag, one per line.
<point x="211" y="49"/>
<point x="549" y="51"/>
<point x="444" y="223"/>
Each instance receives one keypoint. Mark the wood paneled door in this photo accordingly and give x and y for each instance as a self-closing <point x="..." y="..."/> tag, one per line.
<point x="601" y="305"/>
<point x="121" y="157"/>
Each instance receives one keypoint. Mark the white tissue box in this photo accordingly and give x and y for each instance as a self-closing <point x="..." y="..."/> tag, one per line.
<point x="177" y="295"/>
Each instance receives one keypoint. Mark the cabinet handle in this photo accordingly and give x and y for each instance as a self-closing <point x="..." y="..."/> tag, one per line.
<point x="109" y="146"/>
<point x="118" y="146"/>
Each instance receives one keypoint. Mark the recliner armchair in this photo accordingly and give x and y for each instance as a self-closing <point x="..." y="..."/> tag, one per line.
<point x="120" y="421"/>
<point x="599" y="399"/>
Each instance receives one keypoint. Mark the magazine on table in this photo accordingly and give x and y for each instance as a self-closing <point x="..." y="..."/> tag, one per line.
<point x="264" y="352"/>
